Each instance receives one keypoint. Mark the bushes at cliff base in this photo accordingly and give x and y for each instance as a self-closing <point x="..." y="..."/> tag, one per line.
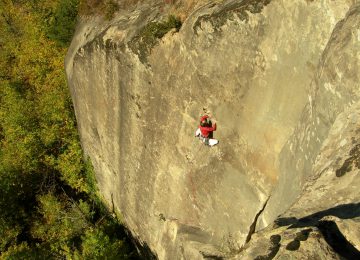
<point x="48" y="200"/>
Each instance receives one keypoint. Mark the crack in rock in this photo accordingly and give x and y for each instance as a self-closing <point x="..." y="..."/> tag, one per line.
<point x="253" y="225"/>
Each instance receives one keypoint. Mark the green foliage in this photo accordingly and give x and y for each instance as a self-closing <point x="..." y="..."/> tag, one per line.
<point x="159" y="29"/>
<point x="63" y="22"/>
<point x="98" y="245"/>
<point x="150" y="35"/>
<point x="18" y="122"/>
<point x="48" y="197"/>
<point x="70" y="164"/>
<point x="8" y="234"/>
<point x="110" y="8"/>
<point x="24" y="252"/>
<point x="60" y="220"/>
<point x="106" y="8"/>
<point x="90" y="7"/>
<point x="92" y="189"/>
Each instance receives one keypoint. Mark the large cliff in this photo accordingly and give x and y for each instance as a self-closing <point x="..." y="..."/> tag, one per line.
<point x="281" y="79"/>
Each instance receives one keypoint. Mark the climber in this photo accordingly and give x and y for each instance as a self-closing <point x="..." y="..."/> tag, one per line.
<point x="205" y="131"/>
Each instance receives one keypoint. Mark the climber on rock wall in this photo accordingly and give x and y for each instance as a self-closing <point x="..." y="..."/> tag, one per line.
<point x="205" y="131"/>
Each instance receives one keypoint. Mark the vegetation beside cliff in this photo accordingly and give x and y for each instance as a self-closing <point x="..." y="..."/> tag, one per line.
<point x="48" y="201"/>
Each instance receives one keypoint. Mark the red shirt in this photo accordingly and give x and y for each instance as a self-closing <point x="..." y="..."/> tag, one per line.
<point x="206" y="130"/>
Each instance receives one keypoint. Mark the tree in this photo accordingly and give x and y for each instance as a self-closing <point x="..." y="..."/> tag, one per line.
<point x="62" y="25"/>
<point x="48" y="200"/>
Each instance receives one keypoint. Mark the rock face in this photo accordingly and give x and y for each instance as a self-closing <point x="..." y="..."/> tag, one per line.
<point x="280" y="78"/>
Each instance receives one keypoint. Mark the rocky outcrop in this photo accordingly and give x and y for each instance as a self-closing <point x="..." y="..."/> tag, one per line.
<point x="281" y="79"/>
<point x="324" y="222"/>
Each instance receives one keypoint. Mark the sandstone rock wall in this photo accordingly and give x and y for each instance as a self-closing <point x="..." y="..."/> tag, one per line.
<point x="274" y="75"/>
<point x="334" y="87"/>
<point x="324" y="222"/>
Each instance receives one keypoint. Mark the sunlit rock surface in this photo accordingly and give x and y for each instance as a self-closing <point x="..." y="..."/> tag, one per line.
<point x="280" y="78"/>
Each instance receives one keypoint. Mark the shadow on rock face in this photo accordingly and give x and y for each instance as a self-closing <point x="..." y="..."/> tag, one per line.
<point x="303" y="235"/>
<point x="353" y="160"/>
<point x="300" y="236"/>
<point x="281" y="222"/>
<point x="328" y="229"/>
<point x="274" y="248"/>
<point x="337" y="241"/>
<point x="345" y="211"/>
<point x="144" y="251"/>
<point x="293" y="245"/>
